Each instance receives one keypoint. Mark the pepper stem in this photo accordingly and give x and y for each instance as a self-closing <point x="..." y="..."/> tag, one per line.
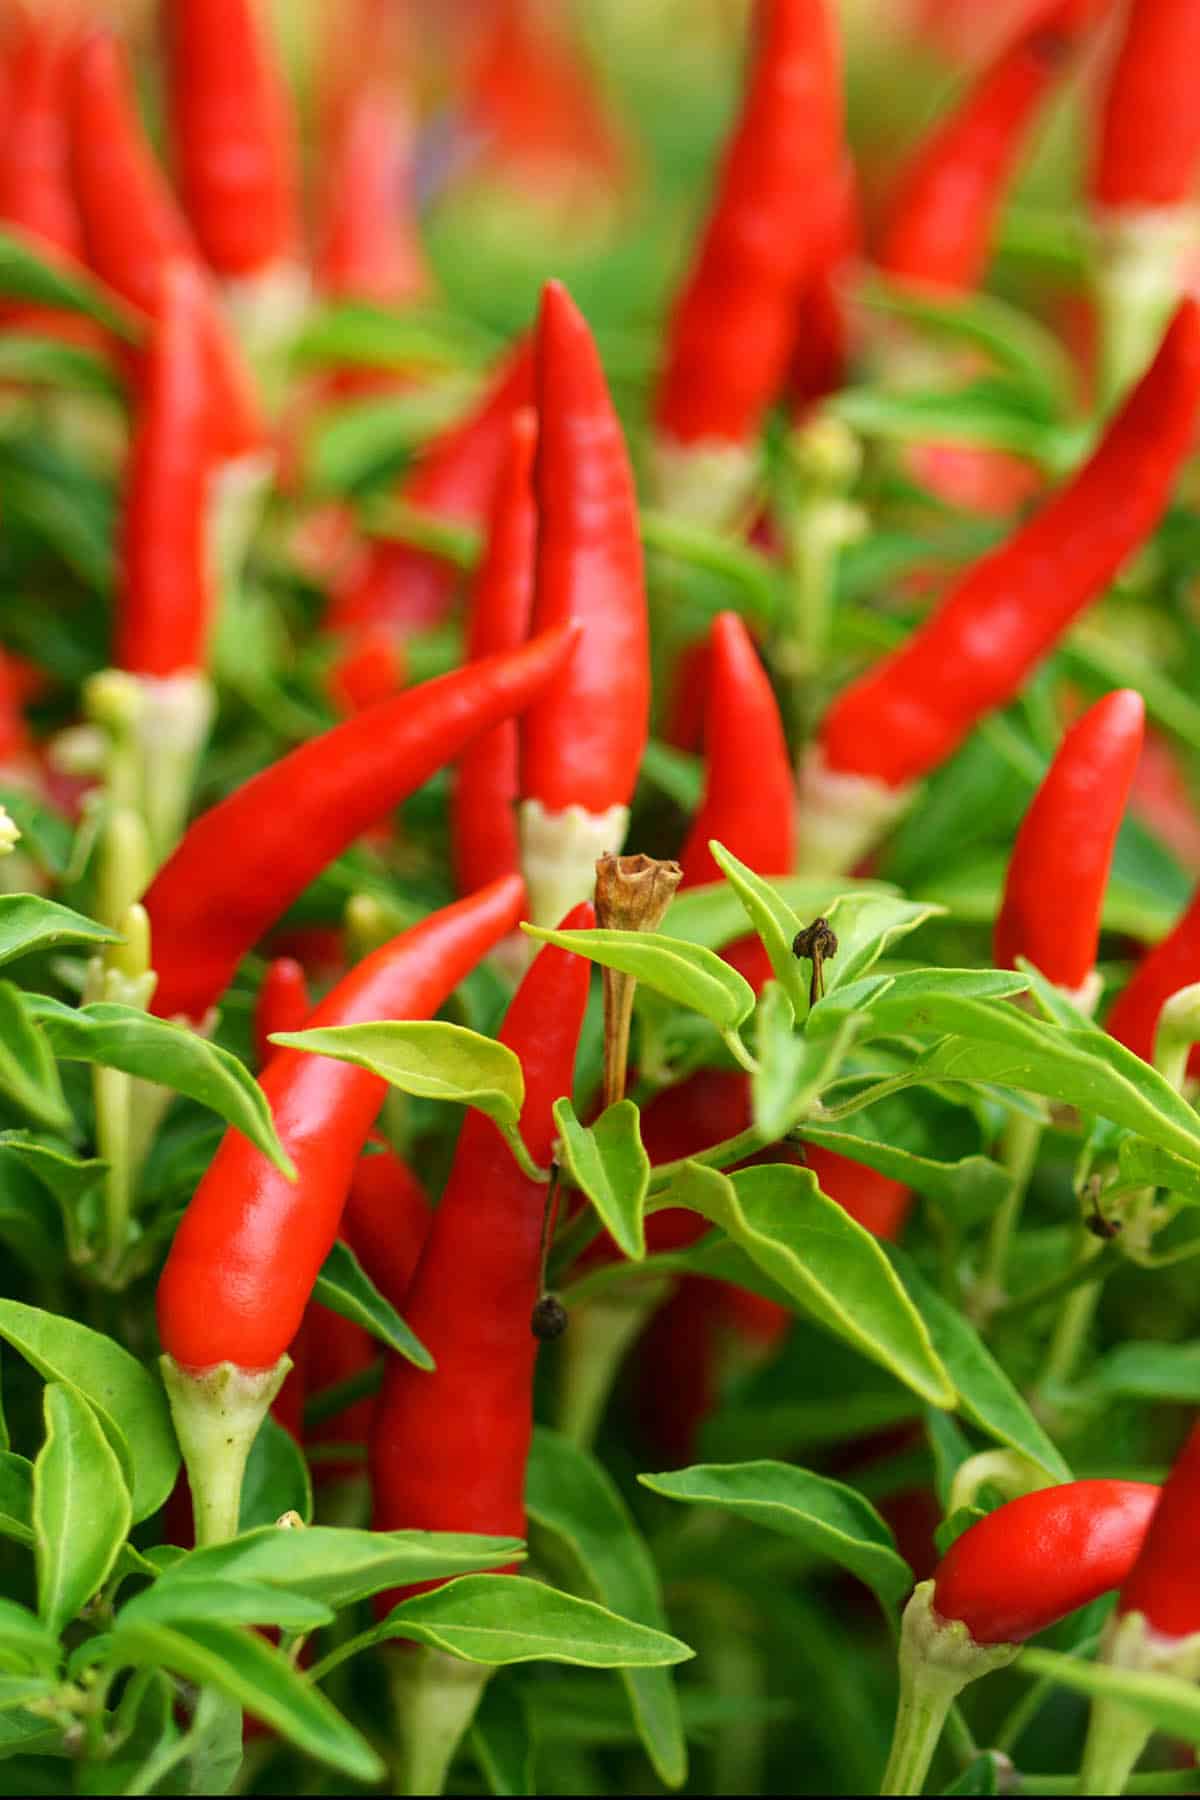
<point x="217" y="1413"/>
<point x="435" y="1698"/>
<point x="632" y="894"/>
<point x="938" y="1658"/>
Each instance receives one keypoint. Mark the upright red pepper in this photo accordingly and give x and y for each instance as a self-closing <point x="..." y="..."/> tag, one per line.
<point x="133" y="230"/>
<point x="283" y="1004"/>
<point x="1042" y="1556"/>
<point x="234" y="136"/>
<point x="943" y="217"/>
<point x="483" y="820"/>
<point x="244" y="861"/>
<point x="410" y="589"/>
<point x="164" y="598"/>
<point x="1171" y="965"/>
<point x="35" y="162"/>
<point x="906" y="715"/>
<point x="1054" y="890"/>
<point x="1164" y="1583"/>
<point x="822" y="349"/>
<point x="250" y="1245"/>
<point x="582" y="741"/>
<point x="1149" y="149"/>
<point x="737" y="318"/>
<point x="474" y="1292"/>
<point x="372" y="669"/>
<point x="369" y="247"/>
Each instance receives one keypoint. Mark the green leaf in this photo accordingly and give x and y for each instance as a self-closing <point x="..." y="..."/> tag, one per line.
<point x="29" y="272"/>
<point x="276" y="1481"/>
<point x="916" y="1003"/>
<point x="122" y="1037"/>
<point x="30" y="1223"/>
<point x="715" y="916"/>
<point x="128" y="1401"/>
<point x="496" y="1619"/>
<point x="340" y="1566"/>
<point x="986" y="1395"/>
<point x="1148" y="1165"/>
<point x="16" y="1497"/>
<point x="501" y="1737"/>
<point x="1150" y="1371"/>
<point x="609" y="1163"/>
<point x="212" y="1746"/>
<point x="345" y="1287"/>
<point x="28" y="923"/>
<point x="1169" y="1703"/>
<point x="46" y="361"/>
<point x="259" y="1678"/>
<point x="980" y="1777"/>
<point x="830" y="1519"/>
<point x="971" y="1188"/>
<point x="833" y="1269"/>
<point x="171" y="1601"/>
<point x="773" y="920"/>
<point x="867" y="927"/>
<point x="28" y="1072"/>
<point x="686" y="973"/>
<point x="570" y="1495"/>
<point x="27" y="1639"/>
<point x="792" y="1069"/>
<point x="81" y="1507"/>
<point x="426" y="1057"/>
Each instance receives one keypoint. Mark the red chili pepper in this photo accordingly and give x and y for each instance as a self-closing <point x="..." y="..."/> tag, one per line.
<point x="369" y="246"/>
<point x="244" y="861"/>
<point x="370" y="671"/>
<point x="749" y="792"/>
<point x="1171" y="965"/>
<point x="164" y="601"/>
<point x="737" y="317"/>
<point x="1042" y="1556"/>
<point x="16" y="748"/>
<point x="1149" y="149"/>
<point x="1054" y="890"/>
<point x="822" y="349"/>
<point x="35" y="163"/>
<point x="908" y="714"/>
<point x="283" y="1004"/>
<point x="474" y="1292"/>
<point x="943" y="217"/>
<point x="582" y="740"/>
<point x="234" y="136"/>
<point x="134" y="231"/>
<point x="483" y="820"/>
<point x="1164" y="1583"/>
<point x="250" y="1245"/>
<point x="411" y="589"/>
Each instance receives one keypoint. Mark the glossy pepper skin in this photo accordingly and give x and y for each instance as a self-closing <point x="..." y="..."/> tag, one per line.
<point x="244" y="861"/>
<point x="283" y="1004"/>
<point x="483" y="822"/>
<point x="943" y="217"/>
<point x="448" y="1449"/>
<point x="1149" y="149"/>
<point x="243" y="1263"/>
<point x="736" y="318"/>
<point x="233" y="134"/>
<point x="1054" y="889"/>
<point x="906" y="715"/>
<point x="410" y="589"/>
<point x="1164" y="1583"/>
<point x="1042" y="1556"/>
<point x="582" y="740"/>
<point x="165" y="604"/>
<point x="368" y="244"/>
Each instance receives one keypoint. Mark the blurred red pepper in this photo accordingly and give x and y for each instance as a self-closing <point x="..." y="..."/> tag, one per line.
<point x="1148" y="153"/>
<point x="822" y="350"/>
<point x="368" y="242"/>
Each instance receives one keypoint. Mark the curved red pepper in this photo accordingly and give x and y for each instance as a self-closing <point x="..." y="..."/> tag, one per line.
<point x="1054" y="890"/>
<point x="1149" y="149"/>
<point x="1042" y="1556"/>
<point x="164" y="600"/>
<point x="474" y="1291"/>
<point x="483" y="826"/>
<point x="906" y="715"/>
<point x="244" y="861"/>
<point x="737" y="317"/>
<point x="749" y="790"/>
<point x="582" y="740"/>
<point x="234" y="136"/>
<point x="251" y="1243"/>
<point x="368" y="243"/>
<point x="134" y="231"/>
<point x="1164" y="1583"/>
<point x="410" y="589"/>
<point x="1171" y="965"/>
<point x="944" y="214"/>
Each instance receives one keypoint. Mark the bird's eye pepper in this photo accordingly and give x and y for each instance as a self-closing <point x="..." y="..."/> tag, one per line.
<point x="241" y="1268"/>
<point x="1013" y="1573"/>
<point x="483" y="820"/>
<point x="942" y="219"/>
<point x="368" y="244"/>
<point x="582" y="740"/>
<point x="409" y="589"/>
<point x="234" y="136"/>
<point x="1054" y="889"/>
<point x="738" y="314"/>
<point x="1171" y="965"/>
<point x="907" y="714"/>
<point x="283" y="1004"/>
<point x="244" y="861"/>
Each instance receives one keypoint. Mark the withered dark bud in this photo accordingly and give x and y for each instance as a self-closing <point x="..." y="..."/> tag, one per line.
<point x="549" y="1319"/>
<point x="817" y="942"/>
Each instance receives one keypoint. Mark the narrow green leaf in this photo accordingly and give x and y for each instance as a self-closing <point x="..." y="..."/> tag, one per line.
<point x="28" y="271"/>
<point x="714" y="916"/>
<point x="340" y="1565"/>
<point x="16" y="1497"/>
<point x="27" y="922"/>
<point x="609" y="1163"/>
<point x="775" y="923"/>
<point x="81" y="1507"/>
<point x="28" y="1072"/>
<point x="345" y="1287"/>
<point x="792" y="1068"/>
<point x="867" y="927"/>
<point x="1171" y="1704"/>
<point x="226" y="1602"/>
<point x="686" y="973"/>
<point x="498" y="1619"/>
<point x="25" y="1637"/>
<point x="277" y="1479"/>
<point x="973" y="1187"/>
<point x="426" y="1057"/>
<point x="501" y="1737"/>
